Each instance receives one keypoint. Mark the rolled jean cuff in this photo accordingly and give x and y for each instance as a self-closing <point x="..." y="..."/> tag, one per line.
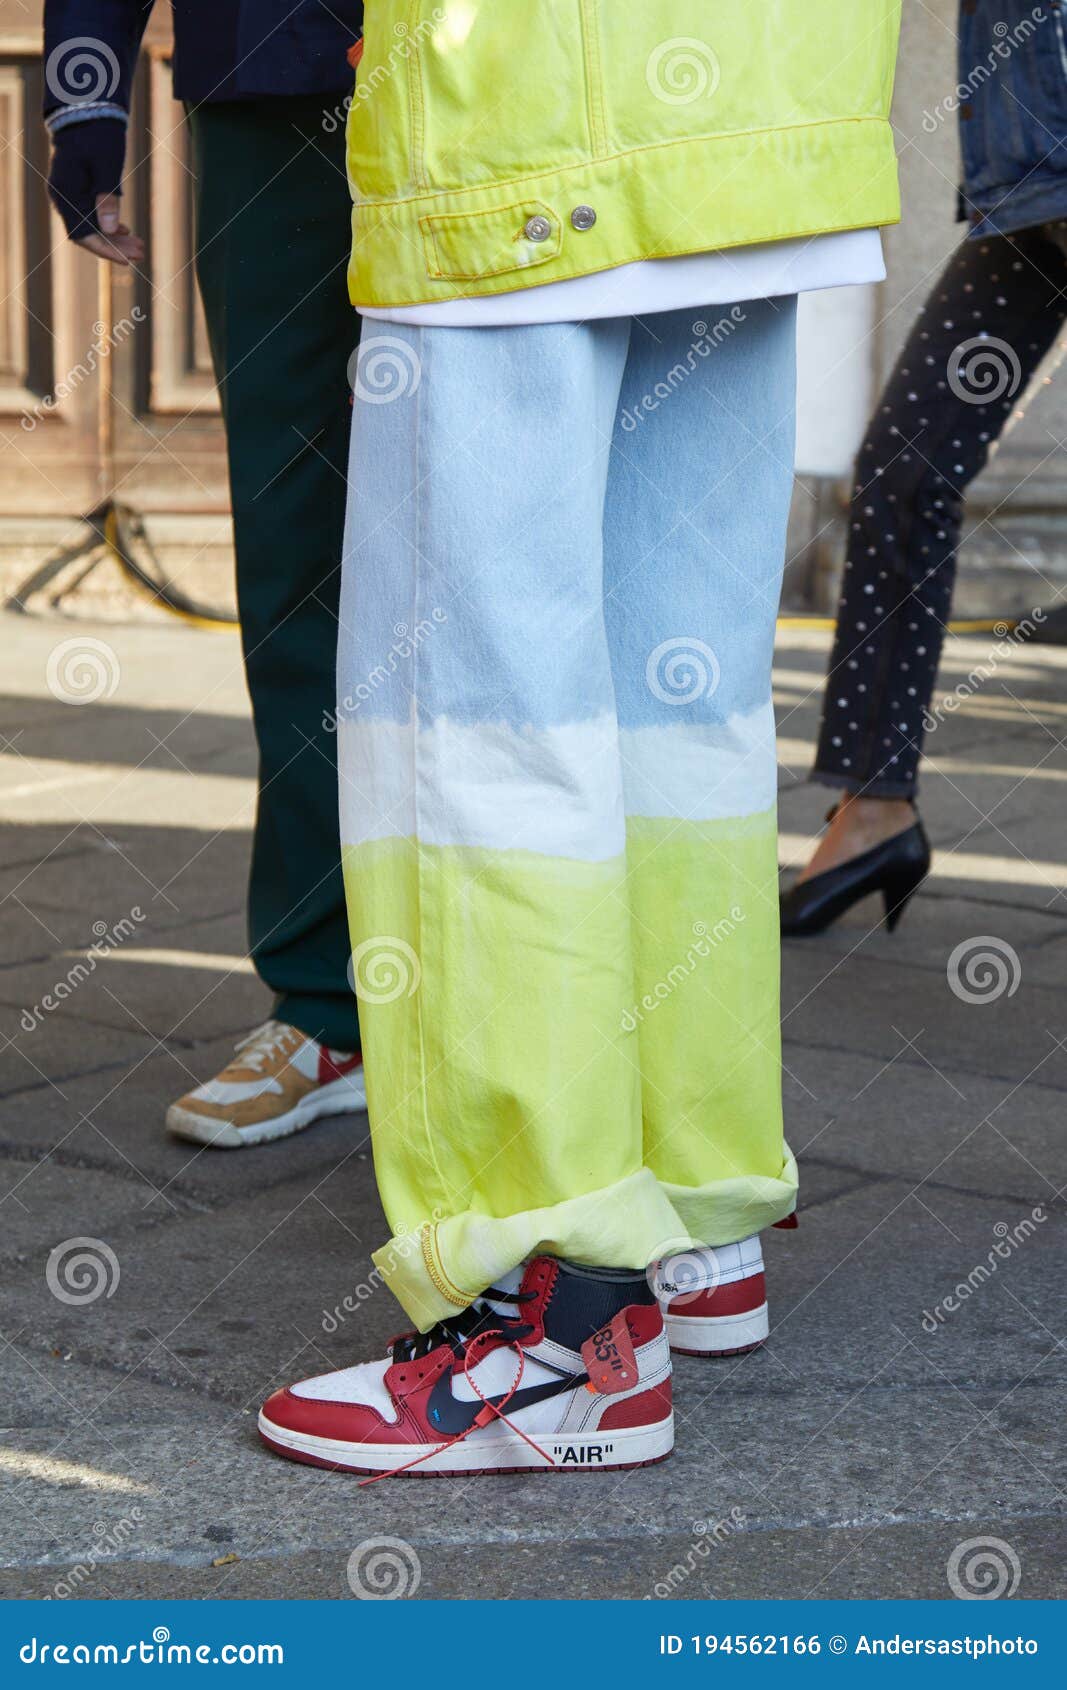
<point x="860" y="788"/>
<point x="442" y="1265"/>
<point x="727" y="1210"/>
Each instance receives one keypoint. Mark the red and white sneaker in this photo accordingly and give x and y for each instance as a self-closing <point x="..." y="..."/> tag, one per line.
<point x="278" y="1082"/>
<point x="715" y="1299"/>
<point x="563" y="1367"/>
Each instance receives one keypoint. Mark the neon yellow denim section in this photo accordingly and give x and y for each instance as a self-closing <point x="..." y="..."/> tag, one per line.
<point x="707" y="1017"/>
<point x="684" y="126"/>
<point x="507" y="1109"/>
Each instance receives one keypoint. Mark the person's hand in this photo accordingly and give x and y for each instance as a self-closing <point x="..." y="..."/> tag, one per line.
<point x="84" y="185"/>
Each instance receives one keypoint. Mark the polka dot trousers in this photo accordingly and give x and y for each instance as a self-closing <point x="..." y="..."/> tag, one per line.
<point x="984" y="329"/>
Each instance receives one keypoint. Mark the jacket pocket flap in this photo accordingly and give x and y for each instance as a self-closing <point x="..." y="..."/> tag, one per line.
<point x="465" y="246"/>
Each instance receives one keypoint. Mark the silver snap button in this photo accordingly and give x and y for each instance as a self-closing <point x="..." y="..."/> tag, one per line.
<point x="538" y="229"/>
<point x="583" y="217"/>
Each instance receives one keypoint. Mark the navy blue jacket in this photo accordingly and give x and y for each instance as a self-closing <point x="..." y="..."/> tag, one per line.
<point x="1013" y="113"/>
<point x="223" y="49"/>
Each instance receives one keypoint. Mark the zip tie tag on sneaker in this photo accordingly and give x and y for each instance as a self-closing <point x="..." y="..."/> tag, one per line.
<point x="609" y="1358"/>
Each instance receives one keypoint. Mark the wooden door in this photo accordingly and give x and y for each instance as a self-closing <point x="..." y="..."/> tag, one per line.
<point x="105" y="380"/>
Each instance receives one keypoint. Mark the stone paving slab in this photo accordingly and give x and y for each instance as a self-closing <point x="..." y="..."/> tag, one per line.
<point x="113" y="1119"/>
<point x="184" y="1284"/>
<point x="920" y="1289"/>
<point x="44" y="1204"/>
<point x="140" y="738"/>
<point x="54" y="1398"/>
<point x="169" y="668"/>
<point x="844" y="1563"/>
<point x="174" y="875"/>
<point x="30" y="935"/>
<point x="866" y="1116"/>
<point x="1029" y="838"/>
<point x="869" y="1007"/>
<point x="41" y="1061"/>
<point x="202" y="975"/>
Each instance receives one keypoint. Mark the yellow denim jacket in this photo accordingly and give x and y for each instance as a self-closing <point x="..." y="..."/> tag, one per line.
<point x="499" y="144"/>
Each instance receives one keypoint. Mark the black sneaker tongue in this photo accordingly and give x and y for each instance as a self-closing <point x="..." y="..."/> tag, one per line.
<point x="586" y="1299"/>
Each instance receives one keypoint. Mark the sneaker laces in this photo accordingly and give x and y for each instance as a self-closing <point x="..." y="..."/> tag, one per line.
<point x="458" y="1331"/>
<point x="263" y="1043"/>
<point x="464" y="1334"/>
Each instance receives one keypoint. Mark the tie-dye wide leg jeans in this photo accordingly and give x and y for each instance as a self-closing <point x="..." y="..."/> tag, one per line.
<point x="557" y="781"/>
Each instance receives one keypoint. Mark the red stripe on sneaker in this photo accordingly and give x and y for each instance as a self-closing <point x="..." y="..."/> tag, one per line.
<point x="332" y="1068"/>
<point x="740" y="1297"/>
<point x="648" y="1408"/>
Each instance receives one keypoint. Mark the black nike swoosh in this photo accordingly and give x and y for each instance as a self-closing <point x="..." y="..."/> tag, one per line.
<point x="447" y="1414"/>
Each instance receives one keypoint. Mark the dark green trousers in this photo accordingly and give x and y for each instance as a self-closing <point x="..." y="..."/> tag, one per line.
<point x="273" y="235"/>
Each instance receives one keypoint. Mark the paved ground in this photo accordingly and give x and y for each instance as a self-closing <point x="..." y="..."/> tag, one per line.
<point x="879" y="1430"/>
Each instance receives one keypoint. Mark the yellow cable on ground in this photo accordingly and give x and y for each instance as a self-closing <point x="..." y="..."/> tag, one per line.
<point x="157" y="594"/>
<point x="827" y="624"/>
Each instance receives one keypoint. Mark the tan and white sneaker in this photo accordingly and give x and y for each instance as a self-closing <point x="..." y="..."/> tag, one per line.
<point x="278" y="1083"/>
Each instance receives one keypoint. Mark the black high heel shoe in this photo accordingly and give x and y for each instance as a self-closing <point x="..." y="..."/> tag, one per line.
<point x="896" y="868"/>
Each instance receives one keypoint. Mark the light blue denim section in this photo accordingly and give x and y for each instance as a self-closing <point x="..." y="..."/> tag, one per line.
<point x="480" y="562"/>
<point x="697" y="505"/>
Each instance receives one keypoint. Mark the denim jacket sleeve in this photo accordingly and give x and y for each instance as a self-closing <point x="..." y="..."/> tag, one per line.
<point x="1012" y="104"/>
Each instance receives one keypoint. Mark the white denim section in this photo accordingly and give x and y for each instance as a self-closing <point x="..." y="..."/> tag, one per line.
<point x="552" y="790"/>
<point x="701" y="772"/>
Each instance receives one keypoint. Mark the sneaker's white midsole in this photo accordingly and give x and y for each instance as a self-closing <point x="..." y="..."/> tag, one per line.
<point x="337" y="1097"/>
<point x="718" y="1333"/>
<point x="490" y="1447"/>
